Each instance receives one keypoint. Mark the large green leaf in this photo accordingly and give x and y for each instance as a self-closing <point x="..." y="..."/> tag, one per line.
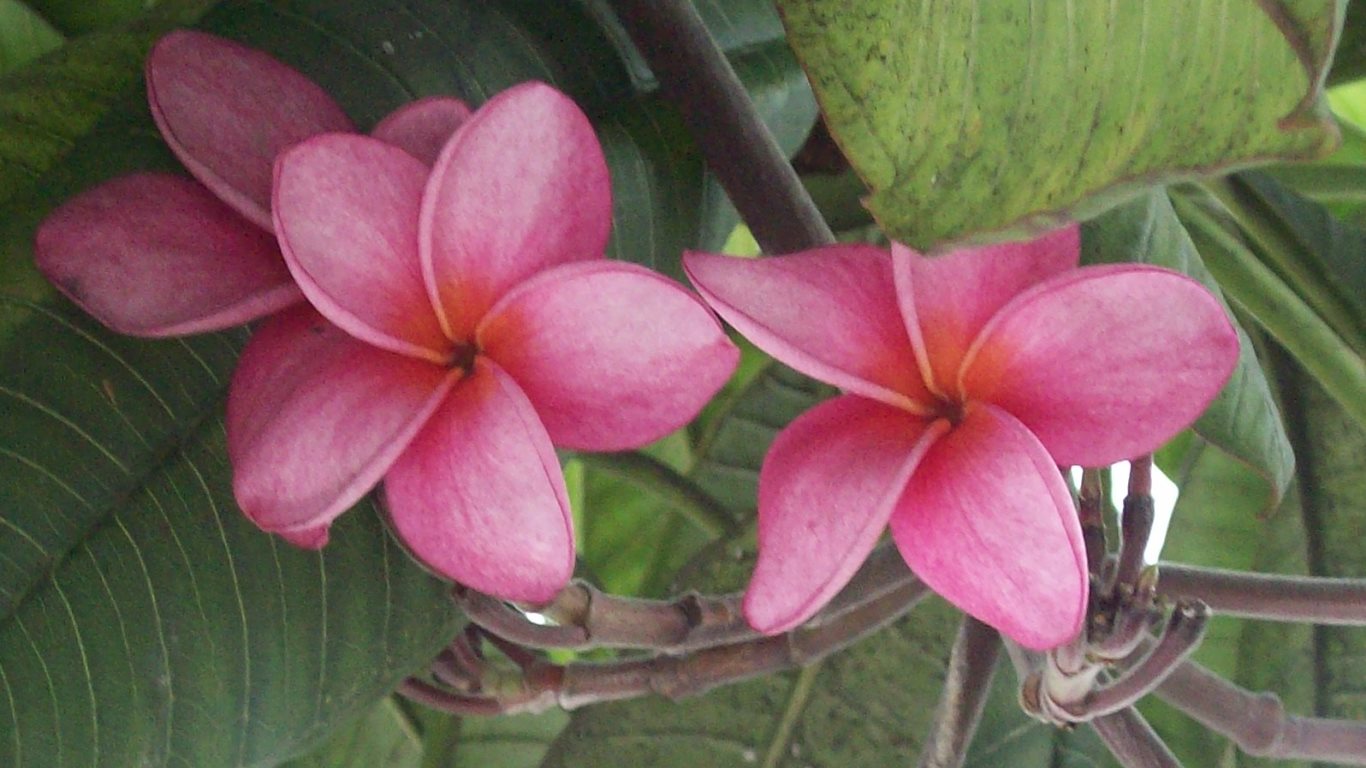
<point x="1244" y="420"/>
<point x="988" y="120"/>
<point x="24" y="35"/>
<point x="1332" y="486"/>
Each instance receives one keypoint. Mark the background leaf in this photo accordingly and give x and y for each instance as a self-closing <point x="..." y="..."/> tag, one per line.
<point x="24" y="35"/>
<point x="991" y="120"/>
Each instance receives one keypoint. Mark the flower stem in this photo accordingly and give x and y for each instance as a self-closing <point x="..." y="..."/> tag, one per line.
<point x="1339" y="602"/>
<point x="972" y="663"/>
<point x="694" y="74"/>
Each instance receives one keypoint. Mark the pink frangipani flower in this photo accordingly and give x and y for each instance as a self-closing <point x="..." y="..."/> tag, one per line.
<point x="463" y="322"/>
<point x="968" y="380"/>
<point x="157" y="254"/>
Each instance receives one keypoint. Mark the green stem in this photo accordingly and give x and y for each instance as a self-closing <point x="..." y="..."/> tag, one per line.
<point x="650" y="474"/>
<point x="1255" y="287"/>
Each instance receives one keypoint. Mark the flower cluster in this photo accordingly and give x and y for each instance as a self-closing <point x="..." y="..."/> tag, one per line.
<point x="441" y="316"/>
<point x="460" y="318"/>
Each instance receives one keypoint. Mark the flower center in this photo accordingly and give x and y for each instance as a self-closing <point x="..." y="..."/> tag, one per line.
<point x="952" y="410"/>
<point x="462" y="357"/>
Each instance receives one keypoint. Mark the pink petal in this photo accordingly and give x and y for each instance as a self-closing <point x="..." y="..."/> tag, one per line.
<point x="423" y="127"/>
<point x="948" y="299"/>
<point x="315" y="418"/>
<point x="227" y="110"/>
<point x="158" y="255"/>
<point x="307" y="538"/>
<point x="987" y="522"/>
<point x="520" y="187"/>
<point x="1105" y="363"/>
<point x="830" y="313"/>
<point x="478" y="496"/>
<point x="346" y="213"/>
<point x="826" y="490"/>
<point x="612" y="355"/>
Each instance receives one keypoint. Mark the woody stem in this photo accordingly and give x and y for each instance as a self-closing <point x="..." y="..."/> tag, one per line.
<point x="694" y="74"/>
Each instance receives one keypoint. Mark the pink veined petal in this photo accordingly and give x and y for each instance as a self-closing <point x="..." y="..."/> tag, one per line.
<point x="158" y="255"/>
<point x="522" y="186"/>
<point x="1105" y="363"/>
<point x="346" y="215"/>
<point x="987" y="522"/>
<point x="479" y="497"/>
<point x="612" y="355"/>
<point x="227" y="110"/>
<point x="315" y="418"/>
<point x="307" y="538"/>
<point x="946" y="300"/>
<point x="830" y="313"/>
<point x="827" y="487"/>
<point x="423" y="127"/>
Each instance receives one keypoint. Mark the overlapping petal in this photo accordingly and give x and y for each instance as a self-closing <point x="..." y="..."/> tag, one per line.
<point x="987" y="522"/>
<point x="821" y="511"/>
<point x="830" y="313"/>
<point x="522" y="186"/>
<point x="478" y="496"/>
<point x="158" y="255"/>
<point x="612" y="355"/>
<point x="948" y="299"/>
<point x="227" y="110"/>
<point x="346" y="209"/>
<point x="422" y="127"/>
<point x="315" y="419"/>
<point x="1105" y="363"/>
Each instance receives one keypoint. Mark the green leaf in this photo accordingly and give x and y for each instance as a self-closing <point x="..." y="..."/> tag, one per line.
<point x="383" y="738"/>
<point x="1257" y="289"/>
<point x="1323" y="252"/>
<point x="1332" y="484"/>
<point x="46" y="106"/>
<point x="977" y="121"/>
<point x="24" y="35"/>
<point x="76" y="17"/>
<point x="1243" y="420"/>
<point x="513" y="741"/>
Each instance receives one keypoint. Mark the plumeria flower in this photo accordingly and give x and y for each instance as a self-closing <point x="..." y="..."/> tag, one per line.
<point x="968" y="380"/>
<point x="463" y="322"/>
<point x="157" y="254"/>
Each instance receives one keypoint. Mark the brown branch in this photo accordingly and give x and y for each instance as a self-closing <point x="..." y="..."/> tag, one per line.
<point x="972" y="663"/>
<point x="738" y="147"/>
<point x="1258" y="723"/>
<point x="1307" y="599"/>
<point x="543" y="684"/>
<point x="588" y="618"/>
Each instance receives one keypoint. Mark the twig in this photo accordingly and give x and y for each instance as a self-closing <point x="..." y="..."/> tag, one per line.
<point x="1340" y="602"/>
<point x="1258" y="723"/>
<point x="1133" y="742"/>
<point x="588" y="618"/>
<point x="1182" y="636"/>
<point x="544" y="685"/>
<point x="738" y="147"/>
<point x="972" y="663"/>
